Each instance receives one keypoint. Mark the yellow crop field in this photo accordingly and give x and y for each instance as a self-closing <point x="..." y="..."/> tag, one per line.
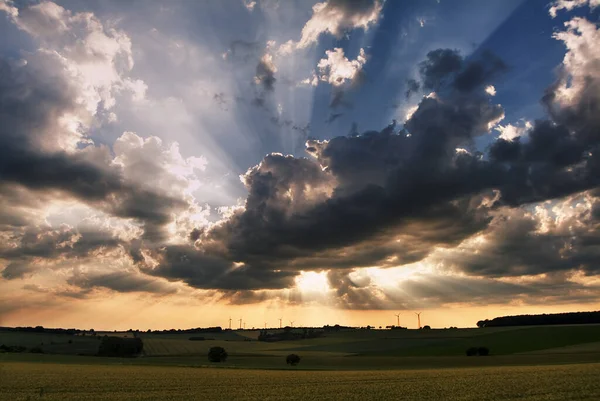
<point x="46" y="381"/>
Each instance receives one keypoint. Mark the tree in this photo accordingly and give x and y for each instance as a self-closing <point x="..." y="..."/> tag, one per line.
<point x="292" y="359"/>
<point x="217" y="354"/>
<point x="483" y="351"/>
<point x="472" y="351"/>
<point x="426" y="327"/>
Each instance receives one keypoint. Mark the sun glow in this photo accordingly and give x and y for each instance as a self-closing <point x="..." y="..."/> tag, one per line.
<point x="385" y="278"/>
<point x="312" y="282"/>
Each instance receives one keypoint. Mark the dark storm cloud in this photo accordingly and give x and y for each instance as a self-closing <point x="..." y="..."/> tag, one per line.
<point x="479" y="72"/>
<point x="446" y="66"/>
<point x="199" y="270"/>
<point x="122" y="281"/>
<point x="414" y="189"/>
<point x="439" y="67"/>
<point x="16" y="270"/>
<point x="389" y="198"/>
<point x="30" y="104"/>
<point x="49" y="244"/>
<point x="432" y="291"/>
<point x="517" y="244"/>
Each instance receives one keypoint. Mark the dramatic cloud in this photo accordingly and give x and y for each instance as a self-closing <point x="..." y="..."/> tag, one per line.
<point x="410" y="189"/>
<point x="49" y="101"/>
<point x="509" y="132"/>
<point x="391" y="198"/>
<point x="121" y="281"/>
<point x="336" y="69"/>
<point x="336" y="17"/>
<point x="519" y="243"/>
<point x="571" y="4"/>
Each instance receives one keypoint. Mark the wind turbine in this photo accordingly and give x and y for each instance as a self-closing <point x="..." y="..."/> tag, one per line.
<point x="419" y="318"/>
<point x="398" y="317"/>
<point x="244" y="325"/>
<point x="229" y="322"/>
<point x="240" y="324"/>
<point x="291" y="323"/>
<point x="265" y="325"/>
<point x="280" y="320"/>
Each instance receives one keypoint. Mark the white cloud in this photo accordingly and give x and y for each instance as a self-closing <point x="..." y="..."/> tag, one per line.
<point x="490" y="90"/>
<point x="8" y="7"/>
<point x="410" y="111"/>
<point x="581" y="62"/>
<point x="568" y="5"/>
<point x="155" y="166"/>
<point x="313" y="80"/>
<point x="286" y="48"/>
<point x="335" y="17"/>
<point x="509" y="132"/>
<point x="96" y="57"/>
<point x="337" y="69"/>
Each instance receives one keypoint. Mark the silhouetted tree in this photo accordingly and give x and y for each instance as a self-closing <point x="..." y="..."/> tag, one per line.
<point x="120" y="347"/>
<point x="472" y="351"/>
<point x="292" y="359"/>
<point x="217" y="354"/>
<point x="483" y="351"/>
<point x="544" y="319"/>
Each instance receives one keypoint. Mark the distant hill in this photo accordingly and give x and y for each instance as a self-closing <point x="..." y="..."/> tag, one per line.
<point x="544" y="319"/>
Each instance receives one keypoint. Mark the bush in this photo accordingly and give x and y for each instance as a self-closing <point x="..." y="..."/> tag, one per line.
<point x="292" y="359"/>
<point x="12" y="348"/>
<point x="217" y="354"/>
<point x="481" y="351"/>
<point x="120" y="347"/>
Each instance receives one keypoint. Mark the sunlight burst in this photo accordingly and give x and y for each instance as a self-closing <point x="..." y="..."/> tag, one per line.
<point x="312" y="282"/>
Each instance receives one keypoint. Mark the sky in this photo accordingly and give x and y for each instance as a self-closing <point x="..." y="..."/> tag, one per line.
<point x="174" y="164"/>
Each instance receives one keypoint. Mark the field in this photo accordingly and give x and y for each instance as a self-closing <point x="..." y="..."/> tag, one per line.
<point x="32" y="381"/>
<point x="526" y="363"/>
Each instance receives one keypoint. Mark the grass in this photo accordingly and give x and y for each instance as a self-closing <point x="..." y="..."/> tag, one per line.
<point x="31" y="381"/>
<point x="503" y="341"/>
<point x="52" y="343"/>
<point x="528" y="363"/>
<point x="401" y="343"/>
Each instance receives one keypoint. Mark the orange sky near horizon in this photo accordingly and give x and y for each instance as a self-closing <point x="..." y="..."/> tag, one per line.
<point x="129" y="311"/>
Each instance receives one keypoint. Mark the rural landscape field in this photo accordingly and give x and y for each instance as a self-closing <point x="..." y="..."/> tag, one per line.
<point x="525" y="363"/>
<point x="300" y="200"/>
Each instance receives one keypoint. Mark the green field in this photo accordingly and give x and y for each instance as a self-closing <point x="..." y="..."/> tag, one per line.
<point x="526" y="363"/>
<point x="32" y="381"/>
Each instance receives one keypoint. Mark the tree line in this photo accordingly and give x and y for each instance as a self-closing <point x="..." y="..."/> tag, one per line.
<point x="544" y="319"/>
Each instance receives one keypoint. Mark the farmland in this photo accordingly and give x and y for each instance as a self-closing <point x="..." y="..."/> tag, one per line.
<point x="528" y="363"/>
<point x="31" y="381"/>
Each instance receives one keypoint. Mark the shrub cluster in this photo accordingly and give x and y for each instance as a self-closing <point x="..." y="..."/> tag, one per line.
<point x="120" y="347"/>
<point x="12" y="348"/>
<point x="217" y="354"/>
<point x="481" y="351"/>
<point x="292" y="359"/>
